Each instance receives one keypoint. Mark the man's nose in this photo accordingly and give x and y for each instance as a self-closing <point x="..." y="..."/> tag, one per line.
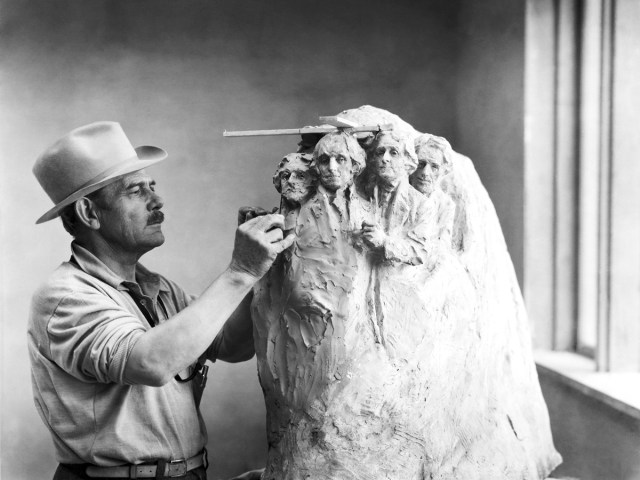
<point x="333" y="164"/>
<point x="155" y="201"/>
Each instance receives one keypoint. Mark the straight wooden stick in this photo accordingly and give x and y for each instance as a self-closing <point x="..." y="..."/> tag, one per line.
<point x="303" y="130"/>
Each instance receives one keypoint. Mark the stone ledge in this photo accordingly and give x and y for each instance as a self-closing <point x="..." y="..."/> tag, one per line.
<point x="618" y="391"/>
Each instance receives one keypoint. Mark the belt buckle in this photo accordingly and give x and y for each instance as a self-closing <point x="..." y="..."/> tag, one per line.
<point x="181" y="465"/>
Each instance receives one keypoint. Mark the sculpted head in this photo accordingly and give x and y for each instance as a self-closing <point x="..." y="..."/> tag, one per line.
<point x="434" y="162"/>
<point x="392" y="157"/>
<point x="337" y="158"/>
<point x="293" y="179"/>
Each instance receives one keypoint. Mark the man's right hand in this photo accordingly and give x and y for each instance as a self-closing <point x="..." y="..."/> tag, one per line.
<point x="172" y="346"/>
<point x="258" y="242"/>
<point x="247" y="213"/>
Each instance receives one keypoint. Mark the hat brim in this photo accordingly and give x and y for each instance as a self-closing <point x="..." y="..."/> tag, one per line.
<point x="145" y="156"/>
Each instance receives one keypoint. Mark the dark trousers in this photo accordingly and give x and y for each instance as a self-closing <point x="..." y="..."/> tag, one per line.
<point x="77" y="472"/>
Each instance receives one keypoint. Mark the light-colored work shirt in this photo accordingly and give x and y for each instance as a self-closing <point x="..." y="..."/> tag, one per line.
<point x="83" y="326"/>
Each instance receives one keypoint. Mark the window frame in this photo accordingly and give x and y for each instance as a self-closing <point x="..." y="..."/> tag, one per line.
<point x="582" y="210"/>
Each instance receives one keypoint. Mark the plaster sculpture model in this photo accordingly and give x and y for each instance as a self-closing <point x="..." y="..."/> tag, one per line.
<point x="391" y="338"/>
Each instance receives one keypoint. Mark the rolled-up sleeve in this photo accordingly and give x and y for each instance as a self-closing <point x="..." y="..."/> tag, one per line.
<point x="91" y="337"/>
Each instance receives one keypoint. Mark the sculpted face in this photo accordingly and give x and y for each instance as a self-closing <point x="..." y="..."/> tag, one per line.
<point x="430" y="169"/>
<point x="388" y="160"/>
<point x="130" y="214"/>
<point x="334" y="164"/>
<point x="296" y="181"/>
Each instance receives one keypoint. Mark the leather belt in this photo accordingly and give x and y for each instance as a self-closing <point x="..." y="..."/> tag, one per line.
<point x="172" y="468"/>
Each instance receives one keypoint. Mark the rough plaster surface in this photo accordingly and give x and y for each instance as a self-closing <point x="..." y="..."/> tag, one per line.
<point x="417" y="365"/>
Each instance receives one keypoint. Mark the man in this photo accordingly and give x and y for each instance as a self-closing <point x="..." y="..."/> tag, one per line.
<point x="337" y="159"/>
<point x="114" y="347"/>
<point x="295" y="182"/>
<point x="319" y="272"/>
<point x="402" y="220"/>
<point x="434" y="164"/>
<point x="399" y="235"/>
<point x="324" y="219"/>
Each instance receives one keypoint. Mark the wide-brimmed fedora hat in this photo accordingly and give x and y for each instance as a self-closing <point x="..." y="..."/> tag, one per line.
<point x="87" y="159"/>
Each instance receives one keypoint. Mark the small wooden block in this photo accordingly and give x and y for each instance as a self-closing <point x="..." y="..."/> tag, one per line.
<point x="338" y="121"/>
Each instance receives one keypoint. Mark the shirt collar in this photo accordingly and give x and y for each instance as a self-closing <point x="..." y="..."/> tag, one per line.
<point x="148" y="281"/>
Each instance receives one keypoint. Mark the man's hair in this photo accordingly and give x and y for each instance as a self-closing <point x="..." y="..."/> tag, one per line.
<point x="68" y="215"/>
<point x="304" y="158"/>
<point x="437" y="143"/>
<point x="405" y="141"/>
<point x="353" y="148"/>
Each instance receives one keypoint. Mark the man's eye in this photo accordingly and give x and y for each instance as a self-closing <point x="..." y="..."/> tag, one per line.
<point x="394" y="152"/>
<point x="380" y="151"/>
<point x="341" y="159"/>
<point x="435" y="166"/>
<point x="134" y="191"/>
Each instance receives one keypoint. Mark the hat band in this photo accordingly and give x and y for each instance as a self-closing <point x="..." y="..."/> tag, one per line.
<point x="98" y="178"/>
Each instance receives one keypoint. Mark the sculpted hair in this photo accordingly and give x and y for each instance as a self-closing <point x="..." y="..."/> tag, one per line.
<point x="304" y="158"/>
<point x="405" y="141"/>
<point x="353" y="148"/>
<point x="438" y="143"/>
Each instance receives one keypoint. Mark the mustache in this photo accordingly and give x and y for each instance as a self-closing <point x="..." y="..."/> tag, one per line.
<point x="156" y="217"/>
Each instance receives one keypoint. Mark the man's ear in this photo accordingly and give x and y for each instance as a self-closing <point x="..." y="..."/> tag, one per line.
<point x="87" y="213"/>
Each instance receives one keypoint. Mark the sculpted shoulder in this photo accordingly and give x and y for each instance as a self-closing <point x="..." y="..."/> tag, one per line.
<point x="417" y="201"/>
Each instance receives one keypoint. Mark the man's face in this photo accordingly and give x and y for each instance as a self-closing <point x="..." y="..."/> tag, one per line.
<point x="388" y="160"/>
<point x="295" y="181"/>
<point x="334" y="164"/>
<point x="430" y="168"/>
<point x="130" y="215"/>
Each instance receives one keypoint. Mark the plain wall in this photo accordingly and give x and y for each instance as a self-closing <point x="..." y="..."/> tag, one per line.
<point x="176" y="74"/>
<point x="489" y="107"/>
